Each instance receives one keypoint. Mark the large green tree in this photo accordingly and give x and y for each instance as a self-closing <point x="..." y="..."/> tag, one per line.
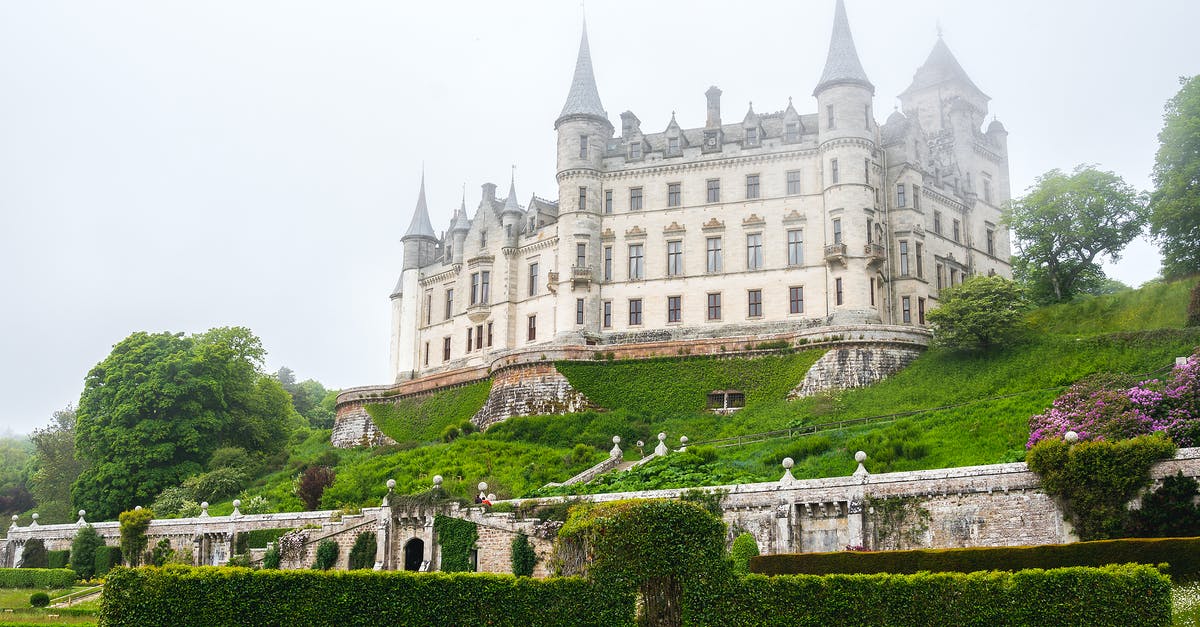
<point x="1067" y="223"/>
<point x="1175" y="203"/>
<point x="14" y="459"/>
<point x="981" y="312"/>
<point x="55" y="467"/>
<point x="156" y="408"/>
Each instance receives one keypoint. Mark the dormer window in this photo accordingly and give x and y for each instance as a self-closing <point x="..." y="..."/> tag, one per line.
<point x="635" y="150"/>
<point x="532" y="223"/>
<point x="673" y="145"/>
<point x="791" y="132"/>
<point x="752" y="137"/>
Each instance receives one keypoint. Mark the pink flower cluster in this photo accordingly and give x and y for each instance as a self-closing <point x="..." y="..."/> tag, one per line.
<point x="1102" y="408"/>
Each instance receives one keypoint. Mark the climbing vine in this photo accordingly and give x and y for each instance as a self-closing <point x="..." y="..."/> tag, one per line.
<point x="457" y="537"/>
<point x="523" y="556"/>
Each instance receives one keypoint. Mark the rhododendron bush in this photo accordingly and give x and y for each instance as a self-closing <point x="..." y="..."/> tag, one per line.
<point x="1108" y="407"/>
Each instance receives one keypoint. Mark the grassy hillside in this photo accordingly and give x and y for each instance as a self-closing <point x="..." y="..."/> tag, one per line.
<point x="424" y="419"/>
<point x="1155" y="306"/>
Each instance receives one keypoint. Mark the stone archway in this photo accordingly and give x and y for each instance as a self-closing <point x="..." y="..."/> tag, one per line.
<point x="414" y="554"/>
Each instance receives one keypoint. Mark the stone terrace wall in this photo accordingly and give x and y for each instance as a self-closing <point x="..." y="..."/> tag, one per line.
<point x="528" y="390"/>
<point x="855" y="366"/>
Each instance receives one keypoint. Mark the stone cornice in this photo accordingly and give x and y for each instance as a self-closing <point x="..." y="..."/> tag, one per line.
<point x="661" y="168"/>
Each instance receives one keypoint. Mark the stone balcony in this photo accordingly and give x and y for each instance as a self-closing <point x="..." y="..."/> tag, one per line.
<point x="875" y="253"/>
<point x="835" y="253"/>
<point x="581" y="276"/>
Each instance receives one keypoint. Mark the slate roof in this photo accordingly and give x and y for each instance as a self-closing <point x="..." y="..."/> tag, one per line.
<point x="941" y="67"/>
<point x="584" y="98"/>
<point x="842" y="64"/>
<point x="420" y="225"/>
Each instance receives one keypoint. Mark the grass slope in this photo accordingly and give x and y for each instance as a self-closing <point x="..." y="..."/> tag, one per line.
<point x="423" y="419"/>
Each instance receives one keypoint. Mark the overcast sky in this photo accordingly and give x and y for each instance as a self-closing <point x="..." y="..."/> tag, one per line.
<point x="184" y="165"/>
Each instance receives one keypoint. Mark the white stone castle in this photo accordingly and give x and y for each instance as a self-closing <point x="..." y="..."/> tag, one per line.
<point x="775" y="221"/>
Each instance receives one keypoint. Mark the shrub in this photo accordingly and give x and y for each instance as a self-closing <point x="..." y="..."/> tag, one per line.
<point x="170" y="501"/>
<point x="134" y="524"/>
<point x="456" y="537"/>
<point x="34" y="555"/>
<point x="162" y="553"/>
<point x="1168" y="512"/>
<point x="271" y="558"/>
<point x="83" y="547"/>
<point x="257" y="504"/>
<point x="450" y="433"/>
<point x="106" y="558"/>
<point x="36" y="578"/>
<point x="260" y="538"/>
<point x="312" y="484"/>
<point x="744" y="547"/>
<point x="327" y="554"/>
<point x="215" y="484"/>
<point x="39" y="599"/>
<point x="523" y="556"/>
<point x="362" y="554"/>
<point x="981" y="312"/>
<point x="58" y="559"/>
<point x="221" y="597"/>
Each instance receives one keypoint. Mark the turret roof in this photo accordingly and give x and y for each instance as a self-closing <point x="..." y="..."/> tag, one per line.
<point x="842" y="64"/>
<point x="941" y="67"/>
<point x="420" y="225"/>
<point x="510" y="203"/>
<point x="584" y="98"/>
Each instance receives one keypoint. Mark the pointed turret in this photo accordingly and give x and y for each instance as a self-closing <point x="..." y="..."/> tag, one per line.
<point x="842" y="65"/>
<point x="510" y="203"/>
<point x="420" y="242"/>
<point x="584" y="98"/>
<point x="420" y="225"/>
<point x="941" y="67"/>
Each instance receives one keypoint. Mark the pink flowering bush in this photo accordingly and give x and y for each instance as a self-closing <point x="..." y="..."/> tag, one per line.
<point x="1107" y="407"/>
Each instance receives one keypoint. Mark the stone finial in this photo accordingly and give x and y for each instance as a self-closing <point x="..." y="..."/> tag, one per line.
<point x="391" y="484"/>
<point x="138" y="508"/>
<point x="14" y="522"/>
<point x="615" y="453"/>
<point x="787" y="477"/>
<point x="661" y="449"/>
<point x="204" y="509"/>
<point x="491" y="496"/>
<point x="861" y="471"/>
<point x="482" y="486"/>
<point x="35" y="520"/>
<point x="683" y="440"/>
<point x="237" y="503"/>
<point x="437" y="481"/>
<point x="1071" y="437"/>
<point x="81" y="522"/>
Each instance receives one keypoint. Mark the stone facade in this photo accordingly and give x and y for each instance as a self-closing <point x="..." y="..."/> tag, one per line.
<point x="767" y="223"/>
<point x="855" y="366"/>
<point x="528" y="390"/>
<point x="353" y="426"/>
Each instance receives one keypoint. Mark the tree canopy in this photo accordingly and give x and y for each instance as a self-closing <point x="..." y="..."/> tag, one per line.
<point x="981" y="312"/>
<point x="1066" y="223"/>
<point x="55" y="467"/>
<point x="1175" y="203"/>
<point x="154" y="411"/>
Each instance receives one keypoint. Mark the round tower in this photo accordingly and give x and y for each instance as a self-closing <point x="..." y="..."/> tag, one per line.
<point x="420" y="248"/>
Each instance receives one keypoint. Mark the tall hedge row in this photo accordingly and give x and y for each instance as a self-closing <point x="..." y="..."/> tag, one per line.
<point x="1116" y="596"/>
<point x="214" y="597"/>
<point x="36" y="577"/>
<point x="1182" y="554"/>
<point x="58" y="559"/>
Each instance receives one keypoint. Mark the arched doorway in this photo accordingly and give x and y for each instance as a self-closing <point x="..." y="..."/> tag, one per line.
<point x="414" y="554"/>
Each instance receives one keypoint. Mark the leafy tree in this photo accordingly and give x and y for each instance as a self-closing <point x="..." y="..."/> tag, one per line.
<point x="83" y="548"/>
<point x="1066" y="223"/>
<point x="327" y="554"/>
<point x="523" y="556"/>
<point x="312" y="484"/>
<point x="55" y="467"/>
<point x="134" y="524"/>
<point x="154" y="411"/>
<point x="34" y="555"/>
<point x="1175" y="203"/>
<point x="14" y="492"/>
<point x="981" y="312"/>
<point x="214" y="485"/>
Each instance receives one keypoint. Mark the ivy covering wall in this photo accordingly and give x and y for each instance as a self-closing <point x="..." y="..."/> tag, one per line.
<point x="457" y="538"/>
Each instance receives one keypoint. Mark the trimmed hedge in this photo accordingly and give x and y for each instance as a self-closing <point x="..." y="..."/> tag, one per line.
<point x="1115" y="596"/>
<point x="215" y="597"/>
<point x="260" y="538"/>
<point x="1182" y="554"/>
<point x="36" y="577"/>
<point x="58" y="559"/>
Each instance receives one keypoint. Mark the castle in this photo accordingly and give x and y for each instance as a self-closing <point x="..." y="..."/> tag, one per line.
<point x="734" y="229"/>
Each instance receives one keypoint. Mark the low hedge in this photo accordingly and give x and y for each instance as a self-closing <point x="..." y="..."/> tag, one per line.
<point x="260" y="538"/>
<point x="218" y="596"/>
<point x="58" y="559"/>
<point x="1182" y="554"/>
<point x="1115" y="596"/>
<point x="52" y="578"/>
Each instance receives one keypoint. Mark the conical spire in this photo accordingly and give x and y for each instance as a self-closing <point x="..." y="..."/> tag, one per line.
<point x="510" y="203"/>
<point x="420" y="225"/>
<point x="940" y="67"/>
<point x="460" y="222"/>
<point x="584" y="98"/>
<point x="842" y="64"/>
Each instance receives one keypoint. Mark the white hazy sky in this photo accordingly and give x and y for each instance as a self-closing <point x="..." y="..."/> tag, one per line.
<point x="184" y="165"/>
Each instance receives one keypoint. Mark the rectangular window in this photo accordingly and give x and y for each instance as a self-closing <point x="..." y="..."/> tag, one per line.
<point x="608" y="263"/>
<point x="714" y="306"/>
<point x="483" y="239"/>
<point x="957" y="230"/>
<point x="795" y="247"/>
<point x="833" y="168"/>
<point x="751" y="186"/>
<point x="531" y="329"/>
<point x="484" y="294"/>
<point x="837" y="284"/>
<point x="754" y="254"/>
<point x="479" y="336"/>
<point x="837" y="231"/>
<point x="428" y="306"/>
<point x="920" y="254"/>
<point x="991" y="242"/>
<point x="714" y="190"/>
<point x="578" y="311"/>
<point x="426" y="353"/>
<point x="987" y="190"/>
<point x="870" y="237"/>
<point x="674" y="309"/>
<point x="953" y="277"/>
<point x="793" y="182"/>
<point x="635" y="311"/>
<point x="867" y="171"/>
<point x="752" y="137"/>
<point x="673" y="145"/>
<point x="474" y="288"/>
<point x="635" y="199"/>
<point x="583" y="146"/>
<point x="635" y="150"/>
<point x="872" y="292"/>
<point x="583" y="199"/>
<point x="937" y="222"/>
<point x="489" y="334"/>
<point x="606" y="311"/>
<point x="636" y="271"/>
<point x="791" y="132"/>
<point x="900" y="194"/>
<point x="940" y="271"/>
<point x="906" y="308"/>
<point x="713" y="245"/>
<point x="673" y="195"/>
<point x="449" y="302"/>
<point x="608" y="201"/>
<point x="580" y="255"/>
<point x="470" y="337"/>
<point x="916" y="197"/>
<point x="829" y="121"/>
<point x="795" y="300"/>
<point x="921" y="310"/>
<point x="867" y="116"/>
<point x="754" y="303"/>
<point x="533" y="278"/>
<point x="674" y="258"/>
<point x="903" y="258"/>
<point x="446" y="348"/>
